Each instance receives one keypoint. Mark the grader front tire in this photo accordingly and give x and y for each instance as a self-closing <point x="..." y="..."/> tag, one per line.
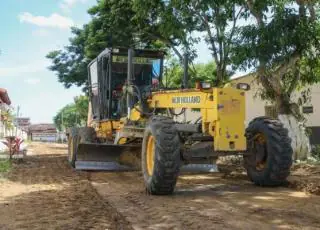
<point x="160" y="156"/>
<point x="72" y="145"/>
<point x="270" y="151"/>
<point x="77" y="136"/>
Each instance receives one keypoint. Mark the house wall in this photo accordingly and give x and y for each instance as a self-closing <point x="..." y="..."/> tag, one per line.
<point x="62" y="137"/>
<point x="313" y="119"/>
<point x="256" y="107"/>
<point x="44" y="137"/>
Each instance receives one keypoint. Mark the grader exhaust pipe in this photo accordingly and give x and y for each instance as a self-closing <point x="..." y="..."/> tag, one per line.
<point x="130" y="79"/>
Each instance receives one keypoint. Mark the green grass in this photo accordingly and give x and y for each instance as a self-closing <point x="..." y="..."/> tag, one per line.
<point x="316" y="153"/>
<point x="28" y="141"/>
<point x="5" y="166"/>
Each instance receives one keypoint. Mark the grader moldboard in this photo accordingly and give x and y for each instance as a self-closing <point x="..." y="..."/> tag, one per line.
<point x="132" y="124"/>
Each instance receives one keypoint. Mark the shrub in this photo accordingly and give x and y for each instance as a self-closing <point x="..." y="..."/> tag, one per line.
<point x="5" y="166"/>
<point x="316" y="152"/>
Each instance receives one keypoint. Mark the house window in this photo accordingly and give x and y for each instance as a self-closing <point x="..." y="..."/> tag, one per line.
<point x="271" y="111"/>
<point x="307" y="109"/>
<point x="315" y="135"/>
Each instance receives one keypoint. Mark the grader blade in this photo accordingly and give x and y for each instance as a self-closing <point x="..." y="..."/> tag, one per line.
<point x="108" y="157"/>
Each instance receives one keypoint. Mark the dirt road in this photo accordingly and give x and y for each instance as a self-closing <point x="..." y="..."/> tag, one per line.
<point x="45" y="193"/>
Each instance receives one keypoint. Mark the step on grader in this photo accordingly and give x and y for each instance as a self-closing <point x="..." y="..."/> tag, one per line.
<point x="132" y="124"/>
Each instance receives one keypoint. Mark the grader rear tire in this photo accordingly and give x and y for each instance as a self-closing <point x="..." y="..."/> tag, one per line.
<point x="270" y="151"/>
<point x="160" y="156"/>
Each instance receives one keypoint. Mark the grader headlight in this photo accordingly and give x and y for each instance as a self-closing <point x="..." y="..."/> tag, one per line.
<point x="243" y="86"/>
<point x="205" y="85"/>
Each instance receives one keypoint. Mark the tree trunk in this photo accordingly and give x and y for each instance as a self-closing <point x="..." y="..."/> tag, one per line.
<point x="219" y="75"/>
<point x="299" y="140"/>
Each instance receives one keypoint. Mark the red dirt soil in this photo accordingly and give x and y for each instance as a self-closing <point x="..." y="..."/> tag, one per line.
<point x="43" y="192"/>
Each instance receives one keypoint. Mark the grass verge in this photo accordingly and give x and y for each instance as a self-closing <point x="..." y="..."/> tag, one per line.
<point x="5" y="166"/>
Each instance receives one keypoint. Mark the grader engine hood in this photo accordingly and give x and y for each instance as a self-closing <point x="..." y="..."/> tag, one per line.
<point x="222" y="111"/>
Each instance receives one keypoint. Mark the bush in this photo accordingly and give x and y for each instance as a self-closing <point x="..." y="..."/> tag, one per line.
<point x="5" y="166"/>
<point x="315" y="153"/>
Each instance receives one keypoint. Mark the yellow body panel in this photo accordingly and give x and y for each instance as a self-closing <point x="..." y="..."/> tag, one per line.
<point x="222" y="110"/>
<point x="135" y="115"/>
<point x="122" y="141"/>
<point x="105" y="128"/>
<point x="230" y="117"/>
<point x="182" y="99"/>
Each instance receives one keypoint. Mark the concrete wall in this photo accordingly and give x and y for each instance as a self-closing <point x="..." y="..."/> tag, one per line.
<point x="313" y="119"/>
<point x="61" y="137"/>
<point x="12" y="132"/>
<point x="256" y="107"/>
<point x="190" y="115"/>
<point x="44" y="137"/>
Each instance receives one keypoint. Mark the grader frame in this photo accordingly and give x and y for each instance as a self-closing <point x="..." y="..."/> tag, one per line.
<point x="136" y="129"/>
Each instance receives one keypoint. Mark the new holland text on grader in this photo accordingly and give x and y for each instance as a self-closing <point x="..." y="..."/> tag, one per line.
<point x="131" y="125"/>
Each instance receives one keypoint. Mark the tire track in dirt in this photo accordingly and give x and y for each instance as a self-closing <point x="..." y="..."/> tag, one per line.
<point x="43" y="192"/>
<point x="164" y="212"/>
<point x="213" y="204"/>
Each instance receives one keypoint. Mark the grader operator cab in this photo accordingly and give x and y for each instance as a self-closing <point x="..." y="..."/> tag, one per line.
<point x="133" y="124"/>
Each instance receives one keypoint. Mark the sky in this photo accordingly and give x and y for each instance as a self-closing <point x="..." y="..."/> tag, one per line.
<point x="30" y="29"/>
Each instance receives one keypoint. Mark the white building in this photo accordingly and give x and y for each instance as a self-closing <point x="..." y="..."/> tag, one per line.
<point x="257" y="107"/>
<point x="43" y="133"/>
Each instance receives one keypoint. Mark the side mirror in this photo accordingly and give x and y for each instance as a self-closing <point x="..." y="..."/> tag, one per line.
<point x="243" y="86"/>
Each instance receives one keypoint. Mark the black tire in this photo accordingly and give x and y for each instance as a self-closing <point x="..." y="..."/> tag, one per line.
<point x="73" y="138"/>
<point x="269" y="146"/>
<point x="76" y="136"/>
<point x="163" y="179"/>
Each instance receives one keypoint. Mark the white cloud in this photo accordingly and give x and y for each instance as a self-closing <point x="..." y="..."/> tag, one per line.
<point x="66" y="5"/>
<point x="22" y="70"/>
<point x="54" y="20"/>
<point x="32" y="81"/>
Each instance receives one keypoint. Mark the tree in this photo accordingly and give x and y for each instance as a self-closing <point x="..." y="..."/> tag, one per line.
<point x="201" y="72"/>
<point x="72" y="115"/>
<point x="71" y="64"/>
<point x="111" y="25"/>
<point x="150" y="24"/>
<point x="282" y="45"/>
<point x="175" y="22"/>
<point x="218" y="21"/>
<point x="81" y="104"/>
<point x="279" y="39"/>
<point x="7" y="117"/>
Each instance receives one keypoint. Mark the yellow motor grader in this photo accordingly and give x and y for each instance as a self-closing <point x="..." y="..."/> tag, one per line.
<point x="132" y="124"/>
